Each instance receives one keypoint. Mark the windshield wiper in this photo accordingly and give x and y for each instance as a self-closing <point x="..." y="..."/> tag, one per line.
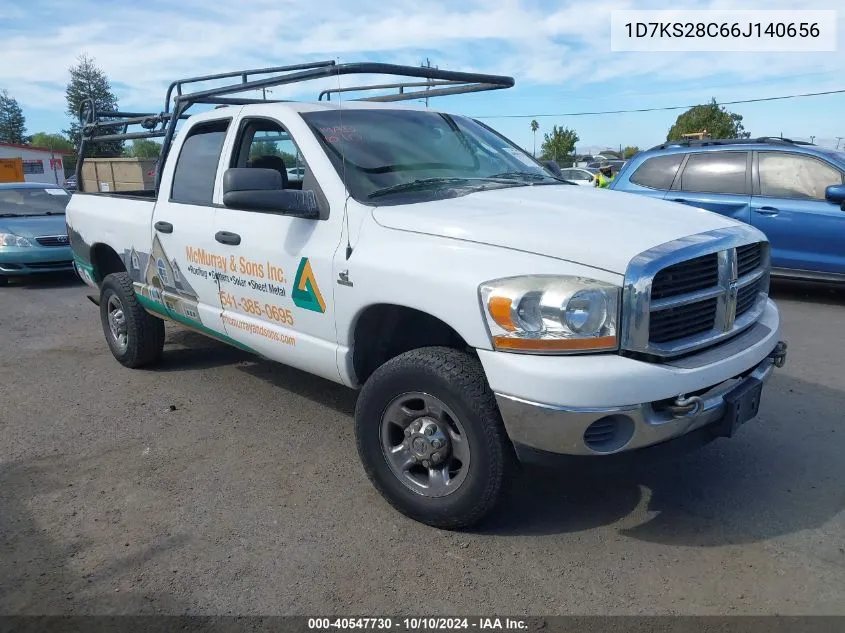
<point x="424" y="183"/>
<point x="524" y="175"/>
<point x="30" y="215"/>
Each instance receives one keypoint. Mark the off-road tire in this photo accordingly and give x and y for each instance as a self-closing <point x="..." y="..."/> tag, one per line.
<point x="145" y="333"/>
<point x="457" y="379"/>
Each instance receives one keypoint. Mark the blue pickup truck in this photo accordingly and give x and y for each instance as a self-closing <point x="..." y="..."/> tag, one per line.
<point x="792" y="191"/>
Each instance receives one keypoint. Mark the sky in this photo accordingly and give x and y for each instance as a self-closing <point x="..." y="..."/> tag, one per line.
<point x="558" y="52"/>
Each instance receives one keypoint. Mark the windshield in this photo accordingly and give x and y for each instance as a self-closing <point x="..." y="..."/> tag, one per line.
<point x="397" y="153"/>
<point x="36" y="201"/>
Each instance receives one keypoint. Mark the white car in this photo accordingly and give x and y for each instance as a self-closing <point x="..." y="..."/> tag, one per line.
<point x="579" y="176"/>
<point x="486" y="310"/>
<point x="296" y="173"/>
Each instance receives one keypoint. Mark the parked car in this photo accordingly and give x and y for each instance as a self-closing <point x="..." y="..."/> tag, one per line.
<point x="70" y="184"/>
<point x="486" y="309"/>
<point x="295" y="173"/>
<point x="791" y="191"/>
<point x="615" y="165"/>
<point x="579" y="176"/>
<point x="33" y="236"/>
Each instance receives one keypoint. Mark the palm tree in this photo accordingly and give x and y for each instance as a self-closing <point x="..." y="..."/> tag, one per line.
<point x="534" y="127"/>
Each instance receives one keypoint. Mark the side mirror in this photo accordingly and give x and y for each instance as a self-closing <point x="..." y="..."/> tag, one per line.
<point x="836" y="195"/>
<point x="553" y="167"/>
<point x="256" y="189"/>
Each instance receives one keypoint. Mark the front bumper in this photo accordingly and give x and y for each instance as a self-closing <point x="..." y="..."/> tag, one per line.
<point x="17" y="261"/>
<point x="581" y="413"/>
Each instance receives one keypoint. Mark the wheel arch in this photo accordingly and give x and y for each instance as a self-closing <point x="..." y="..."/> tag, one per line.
<point x="382" y="331"/>
<point x="105" y="261"/>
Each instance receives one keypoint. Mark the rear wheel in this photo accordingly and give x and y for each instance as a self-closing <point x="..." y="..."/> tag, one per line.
<point x="431" y="437"/>
<point x="135" y="337"/>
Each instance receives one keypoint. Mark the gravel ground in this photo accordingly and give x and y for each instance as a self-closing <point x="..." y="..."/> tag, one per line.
<point x="219" y="483"/>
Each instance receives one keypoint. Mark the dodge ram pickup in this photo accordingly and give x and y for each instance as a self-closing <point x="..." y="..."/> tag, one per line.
<point x="488" y="311"/>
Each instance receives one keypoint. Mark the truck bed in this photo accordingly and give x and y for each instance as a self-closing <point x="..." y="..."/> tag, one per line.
<point x="121" y="220"/>
<point x="141" y="194"/>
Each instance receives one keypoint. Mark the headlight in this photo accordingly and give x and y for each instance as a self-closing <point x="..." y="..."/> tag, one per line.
<point x="10" y="239"/>
<point x="551" y="314"/>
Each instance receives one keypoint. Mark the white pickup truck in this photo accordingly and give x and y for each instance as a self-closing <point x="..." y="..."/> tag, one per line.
<point x="487" y="310"/>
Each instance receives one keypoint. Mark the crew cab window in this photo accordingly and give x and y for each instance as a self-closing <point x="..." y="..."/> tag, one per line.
<point x="657" y="172"/>
<point x="266" y="144"/>
<point x="784" y="175"/>
<point x="715" y="172"/>
<point x="196" y="169"/>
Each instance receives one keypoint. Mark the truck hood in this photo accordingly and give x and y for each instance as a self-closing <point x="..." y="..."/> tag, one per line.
<point x="599" y="228"/>
<point x="34" y="225"/>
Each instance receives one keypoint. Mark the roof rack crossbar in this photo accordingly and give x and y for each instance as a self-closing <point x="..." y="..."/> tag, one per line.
<point x="437" y="92"/>
<point x="224" y="101"/>
<point x="125" y="136"/>
<point x="243" y="74"/>
<point x="728" y="141"/>
<point x="410" y="84"/>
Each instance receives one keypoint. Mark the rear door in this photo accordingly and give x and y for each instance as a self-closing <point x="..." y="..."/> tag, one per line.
<point x="718" y="181"/>
<point x="180" y="271"/>
<point x="806" y="231"/>
<point x="653" y="177"/>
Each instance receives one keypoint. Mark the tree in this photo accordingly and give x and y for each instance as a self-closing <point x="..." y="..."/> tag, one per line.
<point x="56" y="142"/>
<point x="629" y="151"/>
<point x="715" y="119"/>
<point x="51" y="141"/>
<point x="270" y="148"/>
<point x="534" y="127"/>
<point x="12" y="120"/>
<point x="559" y="143"/>
<point x="87" y="81"/>
<point x="143" y="148"/>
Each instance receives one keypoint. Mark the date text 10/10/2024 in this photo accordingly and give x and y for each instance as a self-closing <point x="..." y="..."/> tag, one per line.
<point x="417" y="624"/>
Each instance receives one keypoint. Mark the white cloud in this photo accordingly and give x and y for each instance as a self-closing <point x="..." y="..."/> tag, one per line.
<point x="145" y="46"/>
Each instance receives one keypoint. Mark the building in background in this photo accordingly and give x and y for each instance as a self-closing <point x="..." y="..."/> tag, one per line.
<point x="39" y="163"/>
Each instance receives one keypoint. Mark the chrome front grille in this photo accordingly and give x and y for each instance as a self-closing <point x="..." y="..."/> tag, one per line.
<point x="52" y="240"/>
<point x="694" y="274"/>
<point x="689" y="294"/>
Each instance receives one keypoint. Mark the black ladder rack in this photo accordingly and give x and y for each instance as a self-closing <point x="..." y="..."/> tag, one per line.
<point x="98" y="127"/>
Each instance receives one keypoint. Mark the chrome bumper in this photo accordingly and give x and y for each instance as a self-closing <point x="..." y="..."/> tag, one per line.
<point x="604" y="431"/>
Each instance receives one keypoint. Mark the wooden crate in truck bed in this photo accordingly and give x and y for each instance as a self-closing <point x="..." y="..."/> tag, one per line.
<point x="118" y="174"/>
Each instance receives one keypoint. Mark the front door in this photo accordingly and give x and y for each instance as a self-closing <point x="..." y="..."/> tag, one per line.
<point x="806" y="231"/>
<point x="178" y="277"/>
<point x="278" y="296"/>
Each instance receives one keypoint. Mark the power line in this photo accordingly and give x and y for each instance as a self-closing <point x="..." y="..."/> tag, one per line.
<point x="684" y="107"/>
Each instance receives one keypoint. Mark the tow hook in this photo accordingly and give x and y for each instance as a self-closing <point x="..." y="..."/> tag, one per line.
<point x="778" y="354"/>
<point x="686" y="407"/>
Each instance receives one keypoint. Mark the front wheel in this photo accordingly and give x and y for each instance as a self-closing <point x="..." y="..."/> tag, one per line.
<point x="431" y="438"/>
<point x="135" y="337"/>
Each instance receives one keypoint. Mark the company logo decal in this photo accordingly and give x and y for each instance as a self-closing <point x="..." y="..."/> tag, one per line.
<point x="306" y="293"/>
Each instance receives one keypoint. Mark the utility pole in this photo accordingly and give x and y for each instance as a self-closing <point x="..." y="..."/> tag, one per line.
<point x="812" y="138"/>
<point x="838" y="139"/>
<point x="427" y="64"/>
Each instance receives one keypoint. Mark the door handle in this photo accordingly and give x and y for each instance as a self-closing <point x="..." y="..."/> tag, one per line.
<point x="766" y="210"/>
<point x="225" y="237"/>
<point x="163" y="227"/>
